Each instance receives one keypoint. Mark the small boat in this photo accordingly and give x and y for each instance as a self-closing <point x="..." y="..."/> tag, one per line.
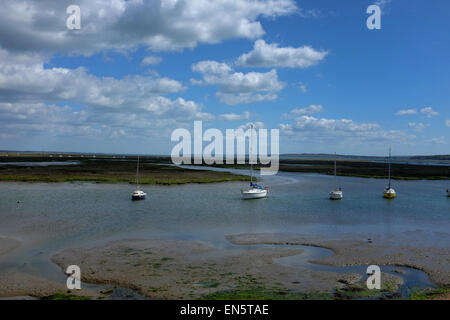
<point x="138" y="194"/>
<point x="448" y="192"/>
<point x="337" y="193"/>
<point x="256" y="191"/>
<point x="389" y="192"/>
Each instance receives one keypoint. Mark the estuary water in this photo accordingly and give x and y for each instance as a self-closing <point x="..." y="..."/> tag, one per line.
<point x="52" y="217"/>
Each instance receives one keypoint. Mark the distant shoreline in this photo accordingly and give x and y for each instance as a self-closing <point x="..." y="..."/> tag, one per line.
<point x="159" y="170"/>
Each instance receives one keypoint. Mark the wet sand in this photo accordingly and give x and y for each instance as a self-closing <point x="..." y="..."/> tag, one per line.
<point x="362" y="250"/>
<point x="7" y="245"/>
<point x="173" y="269"/>
<point x="167" y="269"/>
<point x="18" y="285"/>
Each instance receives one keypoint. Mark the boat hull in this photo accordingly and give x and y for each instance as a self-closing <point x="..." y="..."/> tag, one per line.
<point x="138" y="195"/>
<point x="336" y="195"/>
<point x="389" y="194"/>
<point x="251" y="194"/>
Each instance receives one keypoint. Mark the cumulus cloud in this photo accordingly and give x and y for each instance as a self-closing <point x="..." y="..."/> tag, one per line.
<point x="235" y="117"/>
<point x="271" y="55"/>
<point x="309" y="110"/>
<point x="151" y="60"/>
<point x="156" y="24"/>
<point x="237" y="87"/>
<point x="34" y="97"/>
<point x="429" y="112"/>
<point x="309" y="128"/>
<point x="406" y="112"/>
<point x="419" y="127"/>
<point x="23" y="77"/>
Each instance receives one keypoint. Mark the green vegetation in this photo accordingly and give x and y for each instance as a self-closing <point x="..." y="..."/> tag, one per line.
<point x="111" y="171"/>
<point x="260" y="293"/>
<point x="429" y="293"/>
<point x="355" y="292"/>
<point x="63" y="296"/>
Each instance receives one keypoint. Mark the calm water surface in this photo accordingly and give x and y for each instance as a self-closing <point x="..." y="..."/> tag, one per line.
<point x="75" y="214"/>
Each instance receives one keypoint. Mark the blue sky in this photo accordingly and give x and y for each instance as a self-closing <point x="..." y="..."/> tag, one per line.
<point x="136" y="71"/>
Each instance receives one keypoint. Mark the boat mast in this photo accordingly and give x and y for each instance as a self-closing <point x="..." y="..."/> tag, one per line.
<point x="251" y="153"/>
<point x="137" y="173"/>
<point x="335" y="175"/>
<point x="389" y="168"/>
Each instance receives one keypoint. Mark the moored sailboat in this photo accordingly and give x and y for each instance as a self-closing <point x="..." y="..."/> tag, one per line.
<point x="337" y="193"/>
<point x="389" y="192"/>
<point x="138" y="194"/>
<point x="255" y="191"/>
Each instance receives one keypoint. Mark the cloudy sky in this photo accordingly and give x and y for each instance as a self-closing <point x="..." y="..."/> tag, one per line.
<point x="138" y="69"/>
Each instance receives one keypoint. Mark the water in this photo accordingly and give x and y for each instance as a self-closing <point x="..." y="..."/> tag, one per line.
<point x="56" y="216"/>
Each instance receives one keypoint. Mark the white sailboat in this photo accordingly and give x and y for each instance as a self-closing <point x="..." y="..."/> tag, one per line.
<point x="337" y="193"/>
<point x="138" y="194"/>
<point x="256" y="191"/>
<point x="389" y="192"/>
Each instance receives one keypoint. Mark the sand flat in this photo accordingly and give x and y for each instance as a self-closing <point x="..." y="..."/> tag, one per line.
<point x="359" y="250"/>
<point x="7" y="245"/>
<point x="171" y="269"/>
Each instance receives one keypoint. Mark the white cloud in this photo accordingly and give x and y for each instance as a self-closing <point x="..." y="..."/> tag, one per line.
<point x="31" y="96"/>
<point x="382" y="3"/>
<point x="271" y="55"/>
<point x="256" y="125"/>
<point x="309" y="110"/>
<point x="440" y="140"/>
<point x="303" y="88"/>
<point x="151" y="60"/>
<point x="419" y="127"/>
<point x="23" y="77"/>
<point x="406" y="112"/>
<point x="429" y="112"/>
<point x="343" y="131"/>
<point x="237" y="87"/>
<point x="234" y="117"/>
<point x="447" y="123"/>
<point x="123" y="25"/>
<point x="212" y="68"/>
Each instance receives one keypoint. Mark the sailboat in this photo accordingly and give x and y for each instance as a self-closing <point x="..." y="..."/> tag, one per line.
<point x="337" y="193"/>
<point x="138" y="194"/>
<point x="389" y="192"/>
<point x="256" y="191"/>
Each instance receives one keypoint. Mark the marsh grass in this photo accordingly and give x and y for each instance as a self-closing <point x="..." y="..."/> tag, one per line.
<point x="113" y="172"/>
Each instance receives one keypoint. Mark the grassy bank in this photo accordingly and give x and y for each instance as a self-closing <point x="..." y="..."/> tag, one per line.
<point x="112" y="171"/>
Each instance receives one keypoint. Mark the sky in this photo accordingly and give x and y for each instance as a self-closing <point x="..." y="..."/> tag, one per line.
<point x="137" y="70"/>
